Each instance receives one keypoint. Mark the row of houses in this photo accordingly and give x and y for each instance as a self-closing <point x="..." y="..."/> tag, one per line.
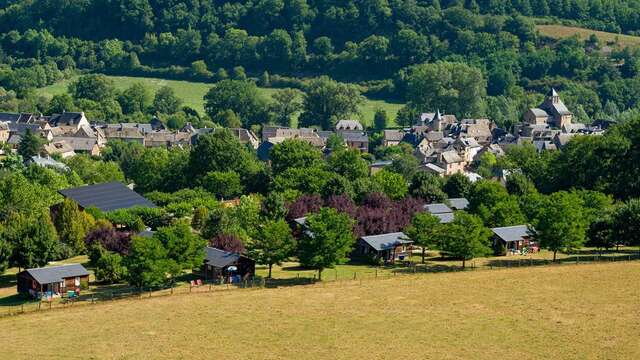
<point x="71" y="133"/>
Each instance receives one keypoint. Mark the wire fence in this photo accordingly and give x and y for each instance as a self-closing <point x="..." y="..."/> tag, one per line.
<point x="96" y="295"/>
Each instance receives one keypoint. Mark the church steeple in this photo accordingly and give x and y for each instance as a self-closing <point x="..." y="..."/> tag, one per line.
<point x="437" y="121"/>
<point x="553" y="96"/>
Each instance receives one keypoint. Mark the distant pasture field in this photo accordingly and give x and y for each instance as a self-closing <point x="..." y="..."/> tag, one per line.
<point x="555" y="312"/>
<point x="192" y="94"/>
<point x="561" y="32"/>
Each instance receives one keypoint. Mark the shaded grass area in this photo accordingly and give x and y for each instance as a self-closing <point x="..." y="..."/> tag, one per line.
<point x="192" y="94"/>
<point x="562" y="31"/>
<point x="557" y="312"/>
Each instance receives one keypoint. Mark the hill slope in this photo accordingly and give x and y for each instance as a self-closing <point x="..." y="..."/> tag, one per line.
<point x="192" y="93"/>
<point x="561" y="31"/>
<point x="563" y="312"/>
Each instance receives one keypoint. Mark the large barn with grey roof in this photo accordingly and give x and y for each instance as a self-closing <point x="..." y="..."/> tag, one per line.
<point x="106" y="197"/>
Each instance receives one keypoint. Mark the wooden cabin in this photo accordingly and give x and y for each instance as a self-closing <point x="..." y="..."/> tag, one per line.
<point x="513" y="239"/>
<point x="226" y="266"/>
<point x="386" y="247"/>
<point x="53" y="281"/>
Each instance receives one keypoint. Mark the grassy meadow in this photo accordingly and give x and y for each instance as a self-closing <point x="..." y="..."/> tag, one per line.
<point x="192" y="94"/>
<point x="561" y="31"/>
<point x="556" y="312"/>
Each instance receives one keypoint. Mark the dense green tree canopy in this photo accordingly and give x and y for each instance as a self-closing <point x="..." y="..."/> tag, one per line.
<point x="328" y="241"/>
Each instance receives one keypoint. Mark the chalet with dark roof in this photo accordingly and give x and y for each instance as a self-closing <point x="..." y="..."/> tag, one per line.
<point x="386" y="247"/>
<point x="513" y="239"/>
<point x="52" y="281"/>
<point x="225" y="266"/>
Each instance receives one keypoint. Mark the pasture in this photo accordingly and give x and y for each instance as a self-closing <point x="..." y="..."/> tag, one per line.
<point x="556" y="312"/>
<point x="192" y="94"/>
<point x="561" y="32"/>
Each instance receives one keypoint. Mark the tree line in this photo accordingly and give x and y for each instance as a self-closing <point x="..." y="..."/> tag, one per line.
<point x="377" y="44"/>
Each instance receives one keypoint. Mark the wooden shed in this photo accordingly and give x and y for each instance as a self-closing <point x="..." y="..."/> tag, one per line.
<point x="52" y="281"/>
<point x="226" y="266"/>
<point x="387" y="247"/>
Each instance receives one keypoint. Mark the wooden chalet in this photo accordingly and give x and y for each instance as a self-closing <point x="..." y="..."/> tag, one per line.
<point x="387" y="247"/>
<point x="513" y="239"/>
<point x="52" y="281"/>
<point x="226" y="266"/>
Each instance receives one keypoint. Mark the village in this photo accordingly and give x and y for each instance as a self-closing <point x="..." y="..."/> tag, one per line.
<point x="442" y="143"/>
<point x="443" y="146"/>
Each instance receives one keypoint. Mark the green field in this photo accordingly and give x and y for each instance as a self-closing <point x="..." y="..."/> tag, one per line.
<point x="193" y="92"/>
<point x="557" y="312"/>
<point x="561" y="31"/>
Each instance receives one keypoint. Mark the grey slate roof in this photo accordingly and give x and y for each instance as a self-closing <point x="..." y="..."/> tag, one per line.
<point x="354" y="136"/>
<point x="386" y="241"/>
<point x="539" y="112"/>
<point x="437" y="208"/>
<point x="450" y="157"/>
<point x="54" y="274"/>
<point x="512" y="233"/>
<point x="459" y="203"/>
<point x="349" y="125"/>
<point x="106" y="197"/>
<point x="445" y="218"/>
<point x="219" y="258"/>
<point x="47" y="163"/>
<point x="66" y="118"/>
<point x="393" y="135"/>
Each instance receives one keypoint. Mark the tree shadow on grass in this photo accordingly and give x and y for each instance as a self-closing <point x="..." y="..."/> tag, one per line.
<point x="7" y="280"/>
<point x="276" y="283"/>
<point x="15" y="299"/>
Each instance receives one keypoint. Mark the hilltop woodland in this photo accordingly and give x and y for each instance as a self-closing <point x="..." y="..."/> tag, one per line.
<point x="474" y="58"/>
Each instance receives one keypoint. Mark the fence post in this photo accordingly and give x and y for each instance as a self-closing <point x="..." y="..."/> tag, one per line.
<point x="22" y="308"/>
<point x="376" y="273"/>
<point x="354" y="275"/>
<point x="577" y="259"/>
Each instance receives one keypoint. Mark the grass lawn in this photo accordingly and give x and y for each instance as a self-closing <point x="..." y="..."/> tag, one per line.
<point x="289" y="272"/>
<point x="557" y="312"/>
<point x="434" y="261"/>
<point x="193" y="92"/>
<point x="561" y="31"/>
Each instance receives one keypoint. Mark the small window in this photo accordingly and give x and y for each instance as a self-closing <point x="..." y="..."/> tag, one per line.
<point x="62" y="284"/>
<point x="77" y="281"/>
